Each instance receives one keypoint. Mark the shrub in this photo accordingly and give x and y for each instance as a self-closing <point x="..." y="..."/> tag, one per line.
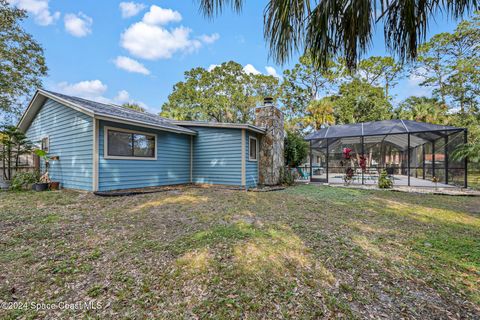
<point x="22" y="179"/>
<point x="287" y="177"/>
<point x="296" y="149"/>
<point x="384" y="181"/>
<point x="13" y="144"/>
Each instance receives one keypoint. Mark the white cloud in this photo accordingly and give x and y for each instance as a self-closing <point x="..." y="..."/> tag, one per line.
<point x="150" y="39"/>
<point x="240" y="39"/>
<point x="39" y="9"/>
<point x="209" y="39"/>
<point x="131" y="65"/>
<point x="414" y="81"/>
<point x="130" y="9"/>
<point x="160" y="16"/>
<point x="212" y="66"/>
<point x="272" y="72"/>
<point x="78" y="25"/>
<point x="95" y="90"/>
<point x="122" y="97"/>
<point x="154" y="42"/>
<point x="250" y="69"/>
<point x="416" y="77"/>
<point x="89" y="89"/>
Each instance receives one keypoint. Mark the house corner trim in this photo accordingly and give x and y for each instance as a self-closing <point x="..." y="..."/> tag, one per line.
<point x="244" y="151"/>
<point x="95" y="155"/>
<point x="191" y="159"/>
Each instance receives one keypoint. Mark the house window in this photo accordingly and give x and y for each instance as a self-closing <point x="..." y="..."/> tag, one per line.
<point x="45" y="145"/>
<point x="126" y="144"/>
<point x="253" y="149"/>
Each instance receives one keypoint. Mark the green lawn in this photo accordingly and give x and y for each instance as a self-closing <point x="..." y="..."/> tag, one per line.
<point x="305" y="252"/>
<point x="474" y="179"/>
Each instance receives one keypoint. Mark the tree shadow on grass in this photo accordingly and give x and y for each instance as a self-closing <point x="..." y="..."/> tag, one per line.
<point x="410" y="237"/>
<point x="242" y="270"/>
<point x="443" y="243"/>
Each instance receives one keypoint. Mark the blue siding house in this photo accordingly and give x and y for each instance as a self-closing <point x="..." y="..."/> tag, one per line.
<point x="102" y="147"/>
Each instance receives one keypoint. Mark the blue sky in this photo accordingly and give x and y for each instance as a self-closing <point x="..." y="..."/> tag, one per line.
<point x="137" y="51"/>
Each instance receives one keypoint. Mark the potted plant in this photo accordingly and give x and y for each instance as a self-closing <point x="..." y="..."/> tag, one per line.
<point x="24" y="180"/>
<point x="54" y="185"/>
<point x="348" y="176"/>
<point x="44" y="180"/>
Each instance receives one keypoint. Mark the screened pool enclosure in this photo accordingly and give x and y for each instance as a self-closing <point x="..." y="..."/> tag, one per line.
<point x="412" y="153"/>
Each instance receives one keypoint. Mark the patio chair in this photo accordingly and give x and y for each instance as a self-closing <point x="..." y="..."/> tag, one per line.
<point x="303" y="175"/>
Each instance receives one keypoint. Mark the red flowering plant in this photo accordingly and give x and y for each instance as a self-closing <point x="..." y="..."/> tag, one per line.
<point x="346" y="153"/>
<point x="363" y="163"/>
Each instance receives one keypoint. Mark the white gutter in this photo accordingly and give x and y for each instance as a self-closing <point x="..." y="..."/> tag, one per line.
<point x="219" y="125"/>
<point x="106" y="117"/>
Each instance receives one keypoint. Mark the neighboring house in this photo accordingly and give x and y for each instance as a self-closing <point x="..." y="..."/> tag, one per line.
<point x="103" y="147"/>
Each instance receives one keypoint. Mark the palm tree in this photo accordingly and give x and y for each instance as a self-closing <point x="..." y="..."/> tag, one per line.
<point x="423" y="109"/>
<point x="423" y="112"/>
<point x="343" y="27"/>
<point x="468" y="150"/>
<point x="133" y="106"/>
<point x="320" y="113"/>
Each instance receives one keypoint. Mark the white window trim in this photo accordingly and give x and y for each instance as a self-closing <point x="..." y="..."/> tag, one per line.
<point x="256" y="148"/>
<point x="105" y="144"/>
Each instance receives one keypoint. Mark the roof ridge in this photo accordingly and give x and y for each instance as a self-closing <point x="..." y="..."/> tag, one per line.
<point x="404" y="125"/>
<point x="109" y="105"/>
<point x="111" y="111"/>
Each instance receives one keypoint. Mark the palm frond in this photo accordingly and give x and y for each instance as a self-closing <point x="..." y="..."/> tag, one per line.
<point x="470" y="151"/>
<point x="284" y="26"/>
<point x="326" y="28"/>
<point x="340" y="28"/>
<point x="212" y="8"/>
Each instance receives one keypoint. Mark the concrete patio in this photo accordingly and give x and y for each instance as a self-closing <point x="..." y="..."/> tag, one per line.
<point x="400" y="184"/>
<point x="398" y="180"/>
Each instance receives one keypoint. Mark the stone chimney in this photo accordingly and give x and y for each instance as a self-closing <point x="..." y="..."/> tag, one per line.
<point x="271" y="155"/>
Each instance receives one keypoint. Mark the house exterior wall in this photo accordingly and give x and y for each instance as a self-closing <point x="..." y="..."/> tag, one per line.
<point x="251" y="166"/>
<point x="171" y="167"/>
<point x="217" y="156"/>
<point x="213" y="156"/>
<point x="70" y="134"/>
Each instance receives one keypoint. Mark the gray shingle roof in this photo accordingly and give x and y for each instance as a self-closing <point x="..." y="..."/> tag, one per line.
<point x="114" y="111"/>
<point x="373" y="128"/>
